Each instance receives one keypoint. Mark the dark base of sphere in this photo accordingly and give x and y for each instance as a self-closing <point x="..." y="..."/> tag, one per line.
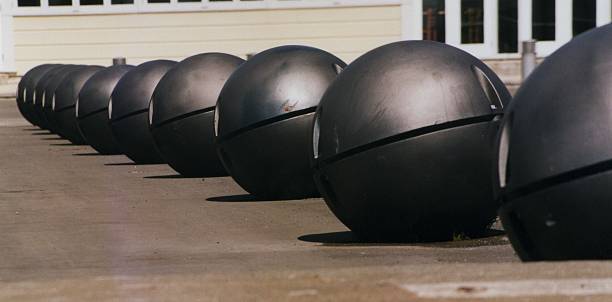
<point x="22" y="109"/>
<point x="52" y="122"/>
<point x="97" y="133"/>
<point x="568" y="221"/>
<point x="424" y="188"/>
<point x="29" y="114"/>
<point x="68" y="126"/>
<point x="40" y="117"/>
<point x="188" y="146"/>
<point x="273" y="161"/>
<point x="34" y="115"/>
<point x="135" y="139"/>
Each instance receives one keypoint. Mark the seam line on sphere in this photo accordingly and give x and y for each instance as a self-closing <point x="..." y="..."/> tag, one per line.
<point x="129" y="115"/>
<point x="92" y="113"/>
<point x="64" y="108"/>
<point x="267" y="122"/>
<point x="182" y="116"/>
<point x="565" y="177"/>
<point x="409" y="134"/>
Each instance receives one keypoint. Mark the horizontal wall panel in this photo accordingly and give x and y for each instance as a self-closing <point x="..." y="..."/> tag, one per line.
<point x="210" y="18"/>
<point x="184" y="49"/>
<point x="27" y="64"/>
<point x="347" y="32"/>
<point x="209" y="33"/>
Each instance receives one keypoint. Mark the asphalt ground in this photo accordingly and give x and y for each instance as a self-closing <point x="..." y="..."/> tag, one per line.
<point x="78" y="226"/>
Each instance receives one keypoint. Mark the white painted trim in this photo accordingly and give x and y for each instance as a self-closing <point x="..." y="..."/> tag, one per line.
<point x="524" y="21"/>
<point x="489" y="45"/>
<point x="564" y="16"/>
<point x="140" y="6"/>
<point x="452" y="28"/>
<point x="412" y="25"/>
<point x="412" y="19"/>
<point x="604" y="12"/>
<point x="491" y="25"/>
<point x="563" y="28"/>
<point x="6" y="37"/>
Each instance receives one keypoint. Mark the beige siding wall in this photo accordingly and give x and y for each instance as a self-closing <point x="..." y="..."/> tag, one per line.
<point x="94" y="39"/>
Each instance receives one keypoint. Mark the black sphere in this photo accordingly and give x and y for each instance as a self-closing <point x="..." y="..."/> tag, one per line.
<point x="92" y="108"/>
<point x="66" y="96"/>
<point x="555" y="155"/>
<point x="264" y="119"/>
<point x="25" y="90"/>
<point x="404" y="142"/>
<point x="129" y="107"/>
<point x="39" y="93"/>
<point x="182" y="113"/>
<point x="45" y="96"/>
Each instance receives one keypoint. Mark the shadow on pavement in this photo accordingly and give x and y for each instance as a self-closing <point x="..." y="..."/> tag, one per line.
<point x="122" y="164"/>
<point x="35" y="129"/>
<point x="53" y="139"/>
<point x="347" y="238"/>
<point x="237" y="198"/>
<point x="88" y="154"/>
<point x="178" y="175"/>
<point x="333" y="238"/>
<point x="170" y="176"/>
<point x="130" y="164"/>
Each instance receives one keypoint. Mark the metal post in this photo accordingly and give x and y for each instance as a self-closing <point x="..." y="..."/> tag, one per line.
<point x="528" y="58"/>
<point x="119" y="61"/>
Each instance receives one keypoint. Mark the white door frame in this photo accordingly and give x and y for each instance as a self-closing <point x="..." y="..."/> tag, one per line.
<point x="412" y="23"/>
<point x="412" y="20"/>
<point x="563" y="25"/>
<point x="453" y="28"/>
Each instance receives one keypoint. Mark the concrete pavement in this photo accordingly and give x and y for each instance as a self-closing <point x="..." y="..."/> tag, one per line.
<point x="78" y="226"/>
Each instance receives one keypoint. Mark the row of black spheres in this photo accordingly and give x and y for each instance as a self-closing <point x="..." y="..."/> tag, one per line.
<point x="405" y="143"/>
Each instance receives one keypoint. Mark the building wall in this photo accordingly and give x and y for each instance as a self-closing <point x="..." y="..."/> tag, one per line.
<point x="94" y="39"/>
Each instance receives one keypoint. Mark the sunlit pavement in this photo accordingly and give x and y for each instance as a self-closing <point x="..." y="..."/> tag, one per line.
<point x="79" y="226"/>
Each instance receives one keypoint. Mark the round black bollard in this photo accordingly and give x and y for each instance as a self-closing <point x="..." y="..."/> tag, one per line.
<point x="403" y="143"/>
<point x="26" y="88"/>
<point x="264" y="119"/>
<point x="129" y="107"/>
<point x="45" y="95"/>
<point x="92" y="108"/>
<point x="555" y="155"/>
<point x="182" y="113"/>
<point x="66" y="96"/>
<point x="39" y="93"/>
